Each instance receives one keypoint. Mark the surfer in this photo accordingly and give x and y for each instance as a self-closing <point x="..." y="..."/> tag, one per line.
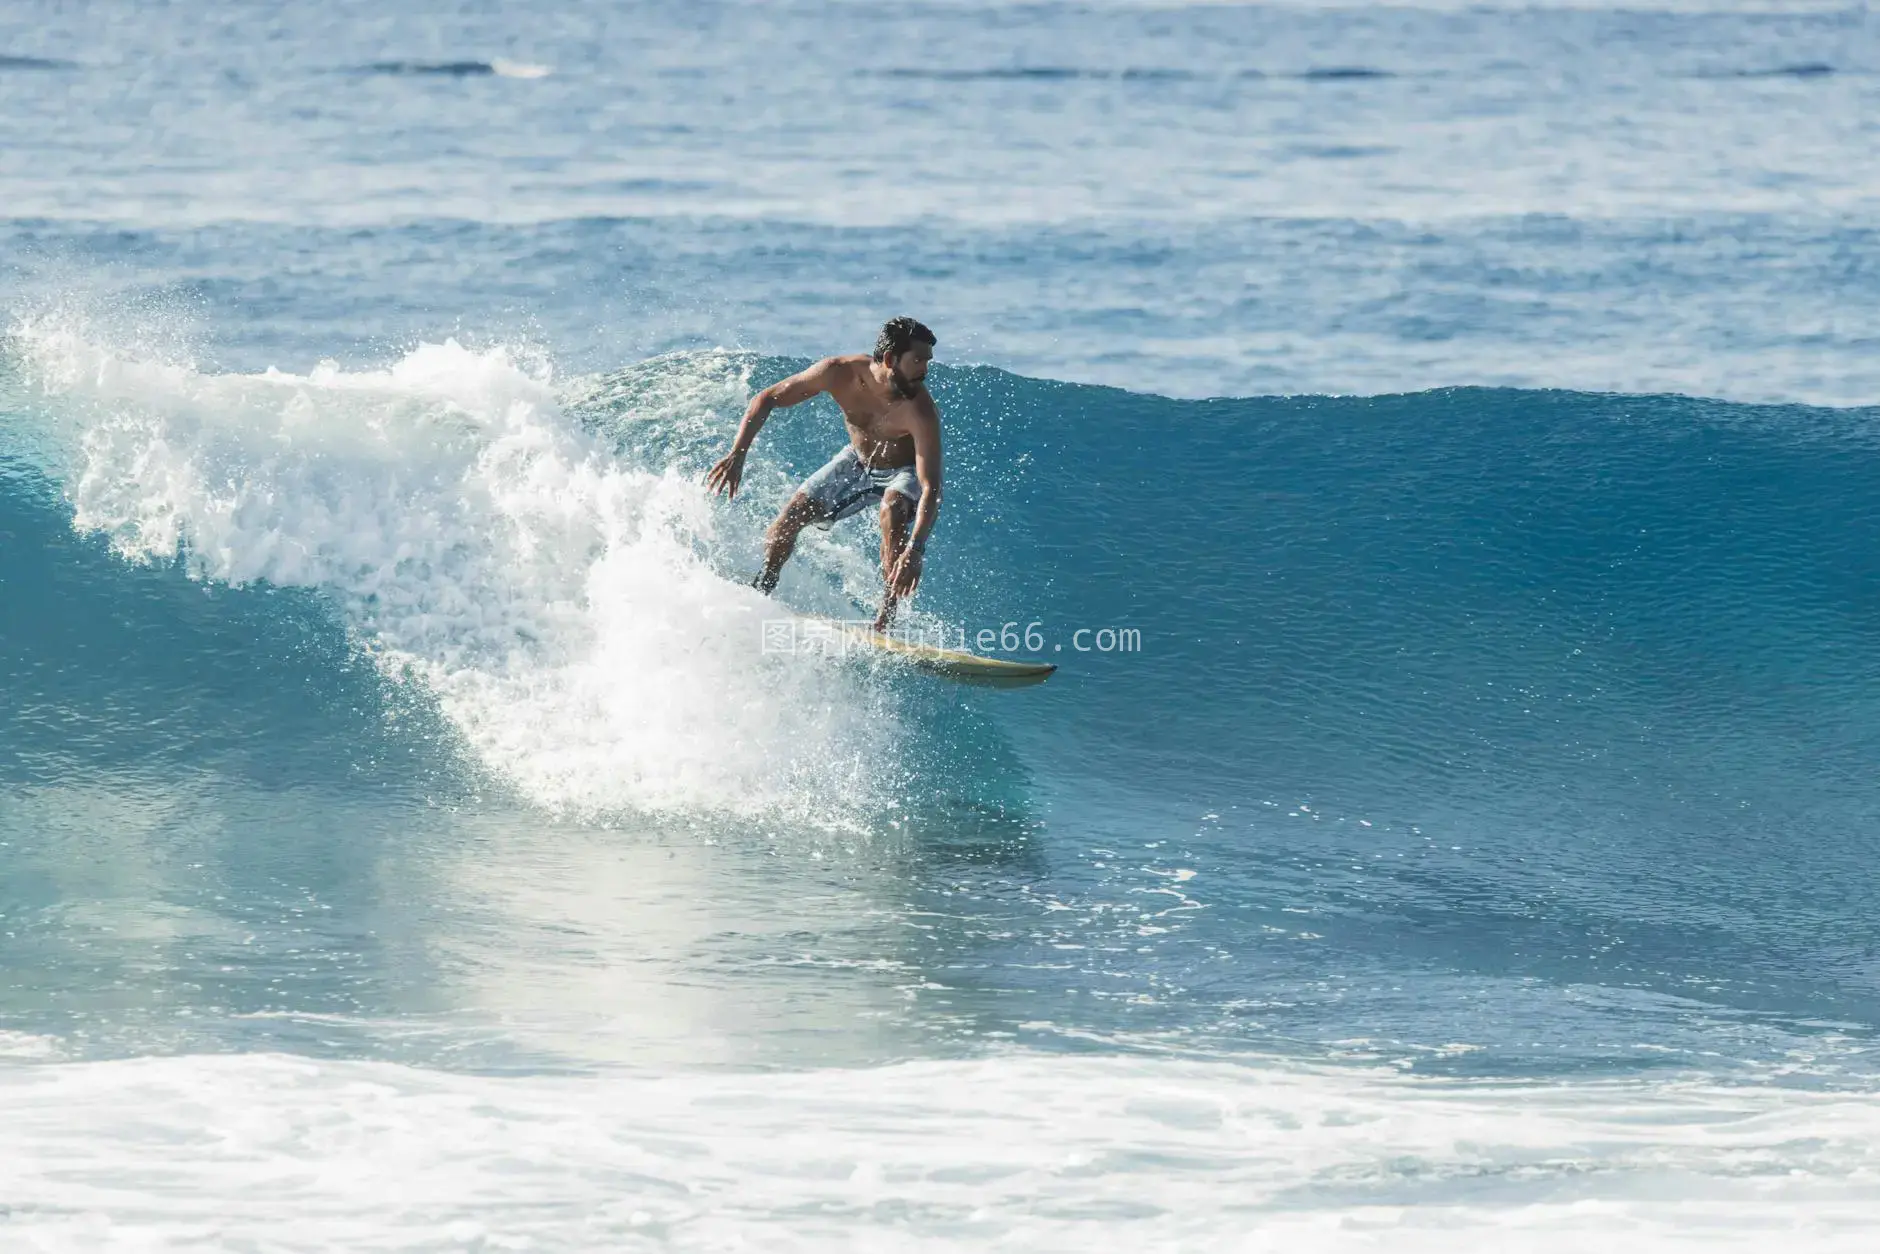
<point x="893" y="456"/>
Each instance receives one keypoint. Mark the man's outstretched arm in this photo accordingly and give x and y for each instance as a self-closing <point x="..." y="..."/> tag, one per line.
<point x="725" y="476"/>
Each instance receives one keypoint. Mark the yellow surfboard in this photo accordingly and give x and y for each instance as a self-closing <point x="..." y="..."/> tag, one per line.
<point x="952" y="663"/>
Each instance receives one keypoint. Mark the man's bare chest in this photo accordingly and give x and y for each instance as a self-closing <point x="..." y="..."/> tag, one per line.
<point x="877" y="419"/>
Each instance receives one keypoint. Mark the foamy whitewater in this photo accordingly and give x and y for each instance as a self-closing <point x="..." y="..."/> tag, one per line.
<point x="1462" y="838"/>
<point x="554" y="602"/>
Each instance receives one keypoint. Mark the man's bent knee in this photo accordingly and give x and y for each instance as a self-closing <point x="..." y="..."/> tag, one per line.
<point x="797" y="513"/>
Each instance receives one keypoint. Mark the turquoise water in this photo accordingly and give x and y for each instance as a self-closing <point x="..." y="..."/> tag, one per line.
<point x="1434" y="444"/>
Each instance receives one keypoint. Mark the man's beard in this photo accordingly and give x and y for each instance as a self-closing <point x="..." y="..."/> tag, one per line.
<point x="904" y="387"/>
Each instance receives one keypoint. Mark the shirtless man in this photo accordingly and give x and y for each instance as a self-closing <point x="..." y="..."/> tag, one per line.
<point x="893" y="455"/>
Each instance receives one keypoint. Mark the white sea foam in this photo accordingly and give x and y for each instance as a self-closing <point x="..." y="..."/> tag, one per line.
<point x="558" y="599"/>
<point x="1020" y="1152"/>
<point x="20" y="1045"/>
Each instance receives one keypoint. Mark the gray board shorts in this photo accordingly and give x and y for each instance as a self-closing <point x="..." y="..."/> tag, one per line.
<point x="845" y="486"/>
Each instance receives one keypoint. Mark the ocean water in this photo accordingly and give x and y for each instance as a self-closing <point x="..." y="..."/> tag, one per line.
<point x="1437" y="443"/>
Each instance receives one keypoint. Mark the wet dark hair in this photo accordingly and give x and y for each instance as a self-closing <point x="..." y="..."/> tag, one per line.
<point x="900" y="334"/>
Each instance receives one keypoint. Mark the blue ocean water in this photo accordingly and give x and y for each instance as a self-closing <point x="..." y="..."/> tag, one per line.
<point x="1436" y="444"/>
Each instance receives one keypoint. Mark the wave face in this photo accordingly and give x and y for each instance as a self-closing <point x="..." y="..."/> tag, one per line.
<point x="1526" y="686"/>
<point x="1516" y="691"/>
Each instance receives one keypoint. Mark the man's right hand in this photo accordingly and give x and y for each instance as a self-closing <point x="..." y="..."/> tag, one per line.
<point x="724" y="477"/>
